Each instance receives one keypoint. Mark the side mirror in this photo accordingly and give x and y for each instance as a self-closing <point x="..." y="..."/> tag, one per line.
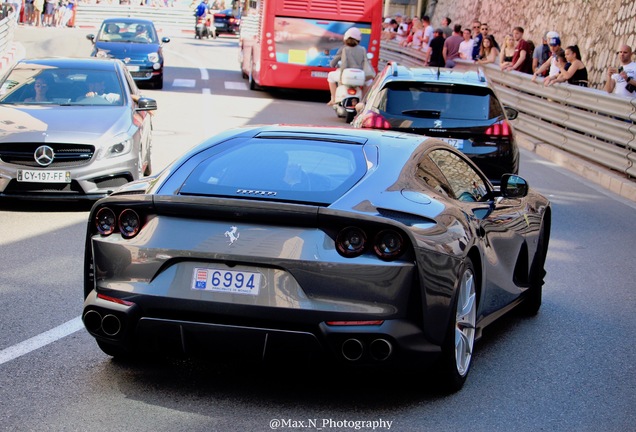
<point x="146" y="104"/>
<point x="513" y="186"/>
<point x="90" y="37"/>
<point x="165" y="39"/>
<point x="511" y="113"/>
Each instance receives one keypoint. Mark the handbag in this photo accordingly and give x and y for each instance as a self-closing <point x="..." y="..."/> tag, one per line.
<point x="369" y="72"/>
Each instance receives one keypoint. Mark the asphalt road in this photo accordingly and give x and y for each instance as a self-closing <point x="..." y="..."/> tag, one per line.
<point x="571" y="368"/>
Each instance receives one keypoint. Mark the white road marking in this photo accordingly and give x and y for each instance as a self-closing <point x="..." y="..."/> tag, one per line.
<point x="181" y="82"/>
<point x="41" y="340"/>
<point x="235" y="85"/>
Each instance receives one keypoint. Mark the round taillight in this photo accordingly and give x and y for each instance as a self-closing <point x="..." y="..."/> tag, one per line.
<point x="129" y="223"/>
<point x="106" y="221"/>
<point x="351" y="242"/>
<point x="388" y="245"/>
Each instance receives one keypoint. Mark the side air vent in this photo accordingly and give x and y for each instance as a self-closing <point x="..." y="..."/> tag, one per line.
<point x="405" y="218"/>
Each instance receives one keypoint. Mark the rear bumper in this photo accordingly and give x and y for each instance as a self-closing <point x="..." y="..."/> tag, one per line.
<point x="392" y="341"/>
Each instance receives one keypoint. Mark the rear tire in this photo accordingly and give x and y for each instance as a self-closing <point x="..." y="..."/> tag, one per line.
<point x="349" y="117"/>
<point x="253" y="85"/>
<point x="158" y="83"/>
<point x="457" y="349"/>
<point x="534" y="295"/>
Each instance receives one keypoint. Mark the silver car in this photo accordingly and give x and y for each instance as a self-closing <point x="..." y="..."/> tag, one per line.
<point x="72" y="129"/>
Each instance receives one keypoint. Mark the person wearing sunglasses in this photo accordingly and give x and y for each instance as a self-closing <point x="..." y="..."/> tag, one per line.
<point x="622" y="80"/>
<point x="41" y="87"/>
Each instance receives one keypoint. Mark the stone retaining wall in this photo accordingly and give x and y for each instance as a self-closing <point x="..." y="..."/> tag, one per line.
<point x="597" y="27"/>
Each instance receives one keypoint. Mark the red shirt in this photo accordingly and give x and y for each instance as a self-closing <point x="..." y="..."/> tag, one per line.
<point x="526" y="66"/>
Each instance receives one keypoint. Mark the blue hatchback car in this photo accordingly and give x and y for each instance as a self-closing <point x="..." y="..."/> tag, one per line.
<point x="460" y="108"/>
<point x="135" y="42"/>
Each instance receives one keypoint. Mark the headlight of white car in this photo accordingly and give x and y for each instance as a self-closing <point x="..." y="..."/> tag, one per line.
<point x="118" y="149"/>
<point x="153" y="57"/>
<point x="101" y="54"/>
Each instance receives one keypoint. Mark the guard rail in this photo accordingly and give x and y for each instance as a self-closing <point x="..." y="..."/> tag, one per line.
<point x="179" y="17"/>
<point x="587" y="122"/>
<point x="7" y="26"/>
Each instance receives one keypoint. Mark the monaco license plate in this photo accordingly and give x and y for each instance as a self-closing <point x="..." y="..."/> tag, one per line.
<point x="35" y="176"/>
<point x="319" y="74"/>
<point x="457" y="143"/>
<point x="227" y="281"/>
<point x="132" y="68"/>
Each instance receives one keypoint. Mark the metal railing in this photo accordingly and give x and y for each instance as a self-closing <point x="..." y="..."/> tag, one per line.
<point x="174" y="17"/>
<point x="589" y="123"/>
<point x="7" y="27"/>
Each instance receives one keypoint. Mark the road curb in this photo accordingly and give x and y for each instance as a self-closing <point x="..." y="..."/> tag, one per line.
<point x="614" y="182"/>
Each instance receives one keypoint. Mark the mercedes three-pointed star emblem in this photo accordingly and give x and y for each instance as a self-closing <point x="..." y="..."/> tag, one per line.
<point x="44" y="155"/>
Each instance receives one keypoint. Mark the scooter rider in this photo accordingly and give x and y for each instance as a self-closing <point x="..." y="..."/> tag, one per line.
<point x="201" y="11"/>
<point x="355" y="58"/>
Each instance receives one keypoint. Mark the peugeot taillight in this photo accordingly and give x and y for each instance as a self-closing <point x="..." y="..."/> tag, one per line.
<point x="499" y="129"/>
<point x="375" y="121"/>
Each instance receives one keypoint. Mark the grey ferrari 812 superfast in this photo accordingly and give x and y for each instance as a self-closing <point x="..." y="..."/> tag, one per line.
<point x="356" y="246"/>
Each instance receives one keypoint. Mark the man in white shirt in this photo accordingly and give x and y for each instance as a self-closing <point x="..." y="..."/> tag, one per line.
<point x="428" y="33"/>
<point x="97" y="89"/>
<point x="550" y="66"/>
<point x="466" y="46"/>
<point x="622" y="81"/>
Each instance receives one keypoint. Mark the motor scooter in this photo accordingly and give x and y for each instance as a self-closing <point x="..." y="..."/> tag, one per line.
<point x="203" y="28"/>
<point x="349" y="93"/>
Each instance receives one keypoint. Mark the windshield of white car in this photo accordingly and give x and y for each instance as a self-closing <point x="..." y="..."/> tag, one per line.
<point x="127" y="33"/>
<point x="59" y="86"/>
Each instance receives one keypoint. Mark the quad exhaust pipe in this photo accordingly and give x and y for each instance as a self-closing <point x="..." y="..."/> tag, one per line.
<point x="109" y="324"/>
<point x="379" y="349"/>
<point x="352" y="349"/>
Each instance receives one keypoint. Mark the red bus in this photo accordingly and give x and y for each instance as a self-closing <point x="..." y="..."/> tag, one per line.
<point x="290" y="43"/>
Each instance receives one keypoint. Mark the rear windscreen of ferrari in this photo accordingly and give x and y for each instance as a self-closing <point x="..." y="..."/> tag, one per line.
<point x="279" y="169"/>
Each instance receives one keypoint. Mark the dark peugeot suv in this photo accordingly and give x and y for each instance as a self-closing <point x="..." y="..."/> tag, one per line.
<point x="460" y="107"/>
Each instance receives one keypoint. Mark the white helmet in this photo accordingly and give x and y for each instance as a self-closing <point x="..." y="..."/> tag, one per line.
<point x="353" y="33"/>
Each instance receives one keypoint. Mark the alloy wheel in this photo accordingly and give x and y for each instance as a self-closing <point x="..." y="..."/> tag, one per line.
<point x="465" y="319"/>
